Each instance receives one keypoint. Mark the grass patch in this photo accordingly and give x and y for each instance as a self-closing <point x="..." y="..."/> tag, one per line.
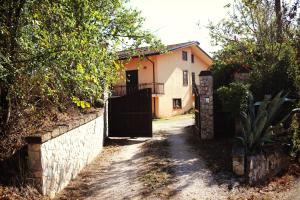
<point x="158" y="171"/>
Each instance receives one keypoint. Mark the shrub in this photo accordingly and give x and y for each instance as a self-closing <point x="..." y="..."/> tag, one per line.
<point x="223" y="74"/>
<point x="263" y="126"/>
<point x="233" y="98"/>
<point x="295" y="136"/>
<point x="59" y="53"/>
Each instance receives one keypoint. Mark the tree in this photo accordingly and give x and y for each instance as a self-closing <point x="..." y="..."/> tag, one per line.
<point x="56" y="52"/>
<point x="278" y="19"/>
<point x="261" y="34"/>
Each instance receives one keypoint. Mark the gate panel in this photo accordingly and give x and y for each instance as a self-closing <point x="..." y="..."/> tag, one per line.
<point x="131" y="115"/>
<point x="197" y="108"/>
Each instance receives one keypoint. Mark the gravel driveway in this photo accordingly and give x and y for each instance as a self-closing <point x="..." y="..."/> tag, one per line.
<point x="193" y="180"/>
<point x="118" y="171"/>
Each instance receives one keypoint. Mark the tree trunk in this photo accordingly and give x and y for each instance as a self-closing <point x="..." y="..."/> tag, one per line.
<point x="5" y="109"/>
<point x="278" y="20"/>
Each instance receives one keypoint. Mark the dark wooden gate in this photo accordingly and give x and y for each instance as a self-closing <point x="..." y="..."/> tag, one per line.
<point x="197" y="107"/>
<point x="131" y="115"/>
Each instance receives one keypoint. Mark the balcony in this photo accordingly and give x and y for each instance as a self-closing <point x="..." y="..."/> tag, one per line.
<point x="121" y="90"/>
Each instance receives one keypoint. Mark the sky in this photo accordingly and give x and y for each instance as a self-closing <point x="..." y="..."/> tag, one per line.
<point x="175" y="21"/>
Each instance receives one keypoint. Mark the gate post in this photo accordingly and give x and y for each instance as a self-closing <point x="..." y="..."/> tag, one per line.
<point x="206" y="105"/>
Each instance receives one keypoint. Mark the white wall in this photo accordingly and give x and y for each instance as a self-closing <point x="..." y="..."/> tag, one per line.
<point x="58" y="160"/>
<point x="170" y="68"/>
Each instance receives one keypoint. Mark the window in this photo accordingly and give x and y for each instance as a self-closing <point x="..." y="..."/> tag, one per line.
<point x="177" y="104"/>
<point x="193" y="78"/>
<point x="192" y="58"/>
<point x="185" y="78"/>
<point x="184" y="55"/>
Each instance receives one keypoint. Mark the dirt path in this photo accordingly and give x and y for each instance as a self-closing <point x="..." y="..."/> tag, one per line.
<point x="193" y="180"/>
<point x="113" y="175"/>
<point x="119" y="180"/>
<point x="202" y="169"/>
<point x="174" y="164"/>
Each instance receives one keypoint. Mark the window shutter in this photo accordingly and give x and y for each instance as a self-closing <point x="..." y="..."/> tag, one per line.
<point x="185" y="78"/>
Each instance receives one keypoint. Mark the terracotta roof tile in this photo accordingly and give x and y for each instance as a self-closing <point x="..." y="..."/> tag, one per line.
<point x="145" y="51"/>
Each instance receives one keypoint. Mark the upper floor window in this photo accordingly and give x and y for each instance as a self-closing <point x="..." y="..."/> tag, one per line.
<point x="184" y="55"/>
<point x="185" y="78"/>
<point x="192" y="58"/>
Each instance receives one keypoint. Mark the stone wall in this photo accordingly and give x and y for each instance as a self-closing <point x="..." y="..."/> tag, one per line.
<point x="264" y="166"/>
<point x="206" y="105"/>
<point x="56" y="157"/>
<point x="260" y="167"/>
<point x="238" y="161"/>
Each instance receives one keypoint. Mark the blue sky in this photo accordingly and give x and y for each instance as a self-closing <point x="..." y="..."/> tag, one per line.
<point x="175" y="21"/>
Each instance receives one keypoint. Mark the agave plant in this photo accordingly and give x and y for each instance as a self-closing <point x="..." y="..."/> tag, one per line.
<point x="258" y="122"/>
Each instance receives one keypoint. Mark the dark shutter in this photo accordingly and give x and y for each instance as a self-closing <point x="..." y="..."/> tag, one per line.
<point x="193" y="78"/>
<point x="185" y="78"/>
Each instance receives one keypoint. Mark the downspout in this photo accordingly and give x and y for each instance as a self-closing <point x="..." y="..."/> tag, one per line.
<point x="153" y="66"/>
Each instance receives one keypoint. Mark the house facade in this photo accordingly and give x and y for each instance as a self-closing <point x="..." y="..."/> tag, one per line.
<point x="171" y="76"/>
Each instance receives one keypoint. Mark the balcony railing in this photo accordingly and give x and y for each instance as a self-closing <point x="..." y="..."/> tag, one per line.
<point x="121" y="90"/>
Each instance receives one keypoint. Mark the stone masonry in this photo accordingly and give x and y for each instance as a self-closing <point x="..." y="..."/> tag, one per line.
<point x="266" y="165"/>
<point x="56" y="157"/>
<point x="259" y="167"/>
<point x="206" y="105"/>
<point x="238" y="160"/>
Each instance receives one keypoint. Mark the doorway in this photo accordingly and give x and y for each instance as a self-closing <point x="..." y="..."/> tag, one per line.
<point x="132" y="81"/>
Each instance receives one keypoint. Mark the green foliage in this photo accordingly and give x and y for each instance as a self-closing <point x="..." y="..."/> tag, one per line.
<point x="82" y="104"/>
<point x="64" y="51"/>
<point x="282" y="76"/>
<point x="255" y="35"/>
<point x="223" y="74"/>
<point x="263" y="126"/>
<point x="233" y="98"/>
<point x="295" y="136"/>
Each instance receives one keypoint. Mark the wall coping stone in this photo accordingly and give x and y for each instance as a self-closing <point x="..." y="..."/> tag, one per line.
<point x="60" y="129"/>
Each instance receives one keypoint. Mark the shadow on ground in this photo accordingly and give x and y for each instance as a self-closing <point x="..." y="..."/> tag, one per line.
<point x="115" y="142"/>
<point x="216" y="153"/>
<point x="105" y="177"/>
<point x="204" y="164"/>
<point x="209" y="161"/>
<point x="157" y="172"/>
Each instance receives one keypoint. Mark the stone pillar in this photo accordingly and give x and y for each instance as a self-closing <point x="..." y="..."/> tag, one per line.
<point x="206" y="105"/>
<point x="35" y="166"/>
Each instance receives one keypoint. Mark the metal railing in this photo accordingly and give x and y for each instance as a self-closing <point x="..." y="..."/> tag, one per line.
<point x="121" y="90"/>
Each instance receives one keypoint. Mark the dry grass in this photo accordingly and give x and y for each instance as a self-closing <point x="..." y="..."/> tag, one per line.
<point x="157" y="173"/>
<point x="20" y="193"/>
<point x="279" y="187"/>
<point x="31" y="121"/>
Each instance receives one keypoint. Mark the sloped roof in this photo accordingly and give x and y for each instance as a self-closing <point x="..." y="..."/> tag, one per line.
<point x="145" y="51"/>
